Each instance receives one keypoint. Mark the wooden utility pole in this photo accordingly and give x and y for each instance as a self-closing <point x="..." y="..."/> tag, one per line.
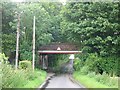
<point x="33" y="61"/>
<point x="17" y="42"/>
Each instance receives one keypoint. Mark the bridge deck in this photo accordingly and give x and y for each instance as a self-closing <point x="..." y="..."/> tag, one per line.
<point x="58" y="52"/>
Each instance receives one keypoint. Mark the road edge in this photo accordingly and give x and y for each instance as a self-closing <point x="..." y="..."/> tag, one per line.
<point x="75" y="81"/>
<point x="46" y="81"/>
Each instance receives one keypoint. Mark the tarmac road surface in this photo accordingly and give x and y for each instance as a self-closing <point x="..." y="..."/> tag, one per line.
<point x="63" y="82"/>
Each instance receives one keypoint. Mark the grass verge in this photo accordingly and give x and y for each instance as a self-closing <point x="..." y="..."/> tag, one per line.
<point x="89" y="82"/>
<point x="36" y="82"/>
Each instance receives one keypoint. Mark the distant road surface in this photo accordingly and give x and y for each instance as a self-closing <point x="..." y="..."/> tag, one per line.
<point x="62" y="81"/>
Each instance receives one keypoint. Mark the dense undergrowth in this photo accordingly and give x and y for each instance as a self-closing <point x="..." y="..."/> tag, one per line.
<point x="21" y="78"/>
<point x="97" y="72"/>
<point x="92" y="80"/>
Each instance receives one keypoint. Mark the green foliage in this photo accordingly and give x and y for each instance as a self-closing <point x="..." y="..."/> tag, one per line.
<point x="91" y="74"/>
<point x="12" y="78"/>
<point x="26" y="55"/>
<point x="8" y="33"/>
<point x="0" y="78"/>
<point x="48" y="20"/>
<point x="103" y="64"/>
<point x="59" y="62"/>
<point x="30" y="74"/>
<point x="25" y="51"/>
<point x="19" y="78"/>
<point x="78" y="63"/>
<point x="93" y="80"/>
<point x="98" y="64"/>
<point x="87" y="63"/>
<point x="110" y="65"/>
<point x="84" y="70"/>
<point x="25" y="64"/>
<point x="3" y="58"/>
<point x="38" y="77"/>
<point x="92" y="62"/>
<point x="8" y="41"/>
<point x="105" y="78"/>
<point x="92" y="24"/>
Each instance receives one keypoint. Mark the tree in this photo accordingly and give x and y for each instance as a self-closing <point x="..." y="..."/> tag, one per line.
<point x="94" y="24"/>
<point x="8" y="31"/>
<point x="47" y="25"/>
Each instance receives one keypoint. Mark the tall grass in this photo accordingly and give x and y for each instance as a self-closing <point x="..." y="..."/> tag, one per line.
<point x="0" y="77"/>
<point x="39" y="78"/>
<point x="96" y="71"/>
<point x="23" y="77"/>
<point x="19" y="78"/>
<point x="92" y="80"/>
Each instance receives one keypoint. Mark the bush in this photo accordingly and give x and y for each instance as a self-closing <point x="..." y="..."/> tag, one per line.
<point x="78" y="64"/>
<point x="98" y="64"/>
<point x="12" y="78"/>
<point x="3" y="58"/>
<point x="104" y="78"/>
<point x="16" y="78"/>
<point x="92" y="74"/>
<point x="84" y="70"/>
<point x="98" y="77"/>
<point x="110" y="65"/>
<point x="26" y="55"/>
<point x="113" y="82"/>
<point x="25" y="64"/>
<point x="92" y="62"/>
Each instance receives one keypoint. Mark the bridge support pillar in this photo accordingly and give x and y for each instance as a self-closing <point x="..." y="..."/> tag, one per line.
<point x="43" y="61"/>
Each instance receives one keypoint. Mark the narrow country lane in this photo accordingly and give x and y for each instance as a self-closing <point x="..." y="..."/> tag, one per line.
<point x="62" y="81"/>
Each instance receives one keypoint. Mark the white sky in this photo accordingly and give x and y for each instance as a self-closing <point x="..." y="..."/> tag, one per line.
<point x="17" y="0"/>
<point x="62" y="1"/>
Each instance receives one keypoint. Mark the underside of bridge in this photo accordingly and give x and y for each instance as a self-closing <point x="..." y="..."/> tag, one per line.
<point x="47" y="52"/>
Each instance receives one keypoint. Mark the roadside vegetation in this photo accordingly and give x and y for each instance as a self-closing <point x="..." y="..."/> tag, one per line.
<point x="95" y="81"/>
<point x="47" y="31"/>
<point x="96" y="72"/>
<point x="93" y="26"/>
<point x="24" y="77"/>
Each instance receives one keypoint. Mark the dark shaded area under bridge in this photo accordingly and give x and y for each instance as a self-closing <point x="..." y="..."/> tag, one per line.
<point x="47" y="52"/>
